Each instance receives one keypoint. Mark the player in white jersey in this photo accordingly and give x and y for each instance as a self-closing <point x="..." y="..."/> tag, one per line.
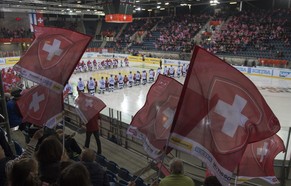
<point x="130" y="79"/>
<point x="137" y="78"/>
<point x="178" y="71"/>
<point x="101" y="85"/>
<point x="120" y="81"/>
<point x="100" y="66"/>
<point x="184" y="70"/>
<point x="85" y="68"/>
<point x="91" y="86"/>
<point x="165" y="72"/>
<point x="126" y="62"/>
<point x="111" y="83"/>
<point x="109" y="64"/>
<point x="151" y="75"/>
<point x="144" y="77"/>
<point x="171" y="71"/>
<point x="159" y="71"/>
<point x="81" y="85"/>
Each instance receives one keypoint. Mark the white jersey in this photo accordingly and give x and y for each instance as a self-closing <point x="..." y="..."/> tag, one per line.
<point x="165" y="71"/>
<point x="130" y="77"/>
<point x="179" y="70"/>
<point x="159" y="71"/>
<point x="81" y="85"/>
<point x="137" y="76"/>
<point x="91" y="84"/>
<point x="111" y="80"/>
<point x="144" y="75"/>
<point x="151" y="74"/>
<point x="102" y="83"/>
<point x="120" y="79"/>
<point x="184" y="68"/>
<point x="171" y="70"/>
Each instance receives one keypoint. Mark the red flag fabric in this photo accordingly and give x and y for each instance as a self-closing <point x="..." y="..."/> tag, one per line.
<point x="52" y="57"/>
<point x="41" y="106"/>
<point x="220" y="111"/>
<point x="258" y="160"/>
<point x="39" y="19"/>
<point x="152" y="123"/>
<point x="88" y="106"/>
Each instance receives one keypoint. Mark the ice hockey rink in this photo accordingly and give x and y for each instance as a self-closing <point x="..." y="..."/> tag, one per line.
<point x="276" y="91"/>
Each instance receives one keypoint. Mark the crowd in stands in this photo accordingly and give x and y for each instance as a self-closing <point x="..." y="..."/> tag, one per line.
<point x="14" y="33"/>
<point x="255" y="30"/>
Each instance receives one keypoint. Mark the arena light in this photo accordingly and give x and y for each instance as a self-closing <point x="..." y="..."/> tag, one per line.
<point x="167" y="3"/>
<point x="233" y="2"/>
<point x="214" y="2"/>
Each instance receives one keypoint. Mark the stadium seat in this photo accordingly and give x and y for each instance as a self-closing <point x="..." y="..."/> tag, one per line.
<point x="111" y="177"/>
<point x="122" y="183"/>
<point x="138" y="181"/>
<point x="101" y="160"/>
<point x="113" y="167"/>
<point x="124" y="174"/>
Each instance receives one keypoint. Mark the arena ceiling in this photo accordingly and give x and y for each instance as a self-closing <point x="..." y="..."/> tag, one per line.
<point x="94" y="7"/>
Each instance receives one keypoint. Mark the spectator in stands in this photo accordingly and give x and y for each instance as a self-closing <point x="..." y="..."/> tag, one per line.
<point x="92" y="127"/>
<point x="49" y="156"/>
<point x="211" y="181"/>
<point x="176" y="177"/>
<point x="74" y="174"/>
<point x="14" y="115"/>
<point x="3" y="161"/>
<point x="97" y="174"/>
<point x="24" y="173"/>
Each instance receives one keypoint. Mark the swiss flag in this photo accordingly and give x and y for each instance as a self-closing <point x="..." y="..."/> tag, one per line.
<point x="88" y="106"/>
<point x="229" y="114"/>
<point x="52" y="57"/>
<point x="152" y="123"/>
<point x="258" y="160"/>
<point x="41" y="106"/>
<point x="39" y="19"/>
<point x="10" y="79"/>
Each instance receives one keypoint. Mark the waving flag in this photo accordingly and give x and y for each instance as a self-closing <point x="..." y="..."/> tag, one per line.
<point x="152" y="123"/>
<point x="258" y="160"/>
<point x="88" y="106"/>
<point x="52" y="56"/>
<point x="41" y="106"/>
<point x="10" y="80"/>
<point x="220" y="111"/>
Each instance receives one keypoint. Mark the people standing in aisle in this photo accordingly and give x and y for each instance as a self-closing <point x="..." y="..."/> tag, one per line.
<point x="81" y="85"/>
<point x="91" y="86"/>
<point x="130" y="79"/>
<point x="111" y="83"/>
<point x="101" y="85"/>
<point x="92" y="127"/>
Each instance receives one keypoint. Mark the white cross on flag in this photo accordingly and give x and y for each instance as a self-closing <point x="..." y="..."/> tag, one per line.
<point x="220" y="111"/>
<point x="41" y="106"/>
<point x="152" y="123"/>
<point x="258" y="160"/>
<point x="88" y="106"/>
<point x="52" y="57"/>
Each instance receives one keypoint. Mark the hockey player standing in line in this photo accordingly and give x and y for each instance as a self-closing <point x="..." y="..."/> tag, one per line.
<point x="111" y="83"/>
<point x="120" y="81"/>
<point x="184" y="70"/>
<point x="144" y="77"/>
<point x="159" y="71"/>
<point x="80" y="85"/>
<point x="165" y="71"/>
<point x="151" y="75"/>
<point x="91" y="86"/>
<point x="137" y="78"/>
<point x="68" y="88"/>
<point x="96" y="85"/>
<point x="171" y="71"/>
<point x="101" y="85"/>
<point x="130" y="79"/>
<point x="178" y="71"/>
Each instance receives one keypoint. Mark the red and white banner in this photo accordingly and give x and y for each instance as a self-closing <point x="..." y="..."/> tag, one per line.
<point x="152" y="123"/>
<point x="41" y="106"/>
<point x="52" y="57"/>
<point x="88" y="106"/>
<point x="258" y="160"/>
<point x="35" y="19"/>
<point x="220" y="111"/>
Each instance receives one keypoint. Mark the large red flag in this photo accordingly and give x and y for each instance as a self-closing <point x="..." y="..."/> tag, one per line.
<point x="41" y="106"/>
<point x="88" y="106"/>
<point x="258" y="160"/>
<point x="152" y="123"/>
<point x="52" y="57"/>
<point x="220" y="111"/>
